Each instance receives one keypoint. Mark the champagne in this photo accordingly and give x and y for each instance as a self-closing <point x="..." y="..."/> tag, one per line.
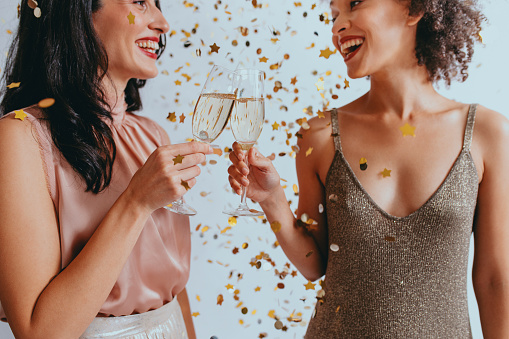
<point x="247" y="121"/>
<point x="211" y="115"/>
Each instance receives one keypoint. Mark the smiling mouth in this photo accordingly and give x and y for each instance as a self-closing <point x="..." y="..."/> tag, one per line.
<point x="350" y="46"/>
<point x="148" y="46"/>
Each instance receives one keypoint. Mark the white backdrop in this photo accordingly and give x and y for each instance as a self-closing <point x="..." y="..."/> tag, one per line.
<point x="230" y="297"/>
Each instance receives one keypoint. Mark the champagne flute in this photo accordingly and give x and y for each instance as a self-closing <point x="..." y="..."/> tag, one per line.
<point x="246" y="122"/>
<point x="210" y="116"/>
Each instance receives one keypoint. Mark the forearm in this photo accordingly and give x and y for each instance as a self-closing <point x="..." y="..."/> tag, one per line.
<point x="74" y="297"/>
<point x="296" y="241"/>
<point x="183" y="301"/>
<point x="493" y="302"/>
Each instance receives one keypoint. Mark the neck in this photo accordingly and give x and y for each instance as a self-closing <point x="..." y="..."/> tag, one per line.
<point x="114" y="94"/>
<point x="404" y="91"/>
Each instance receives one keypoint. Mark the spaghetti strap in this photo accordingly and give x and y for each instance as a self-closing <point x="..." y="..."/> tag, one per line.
<point x="335" y="129"/>
<point x="467" y="140"/>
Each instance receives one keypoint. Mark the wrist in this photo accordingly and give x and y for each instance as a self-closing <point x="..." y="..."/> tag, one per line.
<point x="128" y="203"/>
<point x="274" y="199"/>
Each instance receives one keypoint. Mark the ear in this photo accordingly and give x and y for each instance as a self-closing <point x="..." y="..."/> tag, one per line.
<point x="414" y="19"/>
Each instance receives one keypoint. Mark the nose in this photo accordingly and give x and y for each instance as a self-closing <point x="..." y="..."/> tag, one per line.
<point x="159" y="23"/>
<point x="341" y="23"/>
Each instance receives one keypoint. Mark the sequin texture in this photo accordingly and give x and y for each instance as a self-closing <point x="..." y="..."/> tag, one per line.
<point x="397" y="277"/>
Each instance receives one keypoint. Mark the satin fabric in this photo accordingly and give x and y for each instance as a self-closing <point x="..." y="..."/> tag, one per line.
<point x="166" y="322"/>
<point x="158" y="266"/>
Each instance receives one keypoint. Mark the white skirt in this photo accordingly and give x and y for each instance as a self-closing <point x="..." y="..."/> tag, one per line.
<point x="166" y="322"/>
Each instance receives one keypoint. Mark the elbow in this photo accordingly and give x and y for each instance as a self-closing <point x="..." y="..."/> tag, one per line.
<point x="491" y="284"/>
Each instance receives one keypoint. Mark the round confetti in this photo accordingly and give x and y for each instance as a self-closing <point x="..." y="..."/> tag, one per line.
<point x="278" y="324"/>
<point x="37" y="12"/>
<point x="334" y="247"/>
<point x="363" y="164"/>
<point x="276" y="226"/>
<point x="45" y="103"/>
<point x="245" y="245"/>
<point x="244" y="310"/>
<point x="232" y="221"/>
<point x="333" y="198"/>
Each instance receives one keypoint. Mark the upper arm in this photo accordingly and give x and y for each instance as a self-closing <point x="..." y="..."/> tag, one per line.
<point x="311" y="189"/>
<point x="491" y="232"/>
<point x="29" y="238"/>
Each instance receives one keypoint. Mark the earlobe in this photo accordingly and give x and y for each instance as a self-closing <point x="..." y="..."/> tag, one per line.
<point x="414" y="19"/>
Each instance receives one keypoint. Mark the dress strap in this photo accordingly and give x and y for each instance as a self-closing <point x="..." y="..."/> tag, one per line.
<point x="335" y="129"/>
<point x="469" y="128"/>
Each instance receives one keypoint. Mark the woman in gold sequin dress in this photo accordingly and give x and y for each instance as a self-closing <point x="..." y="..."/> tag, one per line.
<point x="393" y="184"/>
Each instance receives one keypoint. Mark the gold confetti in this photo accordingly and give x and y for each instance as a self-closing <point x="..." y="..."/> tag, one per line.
<point x="326" y="53"/>
<point x="182" y="118"/>
<point x="45" y="103"/>
<point x="20" y="114"/>
<point x="185" y="184"/>
<point x="245" y="245"/>
<point x="257" y="289"/>
<point x="178" y="82"/>
<point x="275" y="126"/>
<point x="272" y="314"/>
<point x="198" y="298"/>
<point x="319" y="85"/>
<point x="172" y="117"/>
<point x="320" y="114"/>
<point x="347" y="84"/>
<point x="13" y="85"/>
<point x="178" y="159"/>
<point x="131" y="18"/>
<point x="407" y="129"/>
<point x="214" y="48"/>
<point x="294" y="80"/>
<point x="308" y="152"/>
<point x="195" y="314"/>
<point x="309" y="285"/>
<point x="363" y="162"/>
<point x="229" y="287"/>
<point x="275" y="226"/>
<point x="295" y="189"/>
<point x="220" y="299"/>
<point x="263" y="59"/>
<point x="386" y="173"/>
<point x="278" y="324"/>
<point x="232" y="221"/>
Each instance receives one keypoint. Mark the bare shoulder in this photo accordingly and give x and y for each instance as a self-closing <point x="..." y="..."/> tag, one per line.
<point x="491" y="129"/>
<point x="14" y="130"/>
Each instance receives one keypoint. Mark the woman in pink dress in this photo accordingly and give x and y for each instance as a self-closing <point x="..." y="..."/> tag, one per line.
<point x="87" y="249"/>
<point x="393" y="185"/>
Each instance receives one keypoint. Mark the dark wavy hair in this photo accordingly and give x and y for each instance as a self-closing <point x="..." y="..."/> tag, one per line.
<point x="60" y="56"/>
<point x="446" y="35"/>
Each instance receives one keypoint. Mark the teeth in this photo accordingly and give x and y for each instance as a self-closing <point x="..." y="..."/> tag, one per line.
<point x="151" y="46"/>
<point x="353" y="42"/>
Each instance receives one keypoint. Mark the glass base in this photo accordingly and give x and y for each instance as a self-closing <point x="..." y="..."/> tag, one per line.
<point x="243" y="211"/>
<point x="180" y="208"/>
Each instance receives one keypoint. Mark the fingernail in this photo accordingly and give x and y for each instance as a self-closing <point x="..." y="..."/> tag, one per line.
<point x="211" y="150"/>
<point x="245" y="182"/>
<point x="245" y="171"/>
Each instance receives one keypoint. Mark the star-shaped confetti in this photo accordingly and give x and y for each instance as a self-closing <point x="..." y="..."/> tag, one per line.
<point x="14" y="85"/>
<point x="182" y="118"/>
<point x="347" y="84"/>
<point x="310" y="285"/>
<point x="20" y="114"/>
<point x="178" y="159"/>
<point x="195" y="314"/>
<point x="263" y="59"/>
<point x="185" y="184"/>
<point x="131" y="17"/>
<point x="319" y="85"/>
<point x="275" y="126"/>
<point x="326" y="53"/>
<point x="320" y="114"/>
<point x="172" y="117"/>
<point x="407" y="129"/>
<point x="229" y="287"/>
<point x="258" y="288"/>
<point x="294" y="80"/>
<point x="214" y="48"/>
<point x="178" y="82"/>
<point x="386" y="173"/>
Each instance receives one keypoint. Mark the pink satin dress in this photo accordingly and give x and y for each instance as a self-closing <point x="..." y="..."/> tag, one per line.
<point x="158" y="267"/>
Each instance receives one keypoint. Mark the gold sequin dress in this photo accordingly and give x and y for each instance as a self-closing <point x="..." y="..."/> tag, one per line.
<point x="397" y="277"/>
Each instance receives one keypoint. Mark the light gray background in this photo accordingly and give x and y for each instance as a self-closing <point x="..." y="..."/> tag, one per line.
<point x="302" y="35"/>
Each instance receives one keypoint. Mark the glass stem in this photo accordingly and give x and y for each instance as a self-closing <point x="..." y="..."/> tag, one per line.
<point x="244" y="190"/>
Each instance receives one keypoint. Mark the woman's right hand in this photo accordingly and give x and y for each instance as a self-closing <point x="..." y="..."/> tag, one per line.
<point x="163" y="177"/>
<point x="261" y="177"/>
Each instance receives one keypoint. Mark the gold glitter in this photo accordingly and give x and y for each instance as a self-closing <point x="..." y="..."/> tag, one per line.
<point x="407" y="129"/>
<point x="309" y="285"/>
<point x="178" y="159"/>
<point x="386" y="173"/>
<point x="20" y="114"/>
<point x="232" y="221"/>
<point x="276" y="226"/>
<point x="326" y="53"/>
<point x="45" y="103"/>
<point x="13" y="85"/>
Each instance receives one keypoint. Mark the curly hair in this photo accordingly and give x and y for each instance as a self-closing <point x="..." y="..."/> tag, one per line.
<point x="446" y="35"/>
